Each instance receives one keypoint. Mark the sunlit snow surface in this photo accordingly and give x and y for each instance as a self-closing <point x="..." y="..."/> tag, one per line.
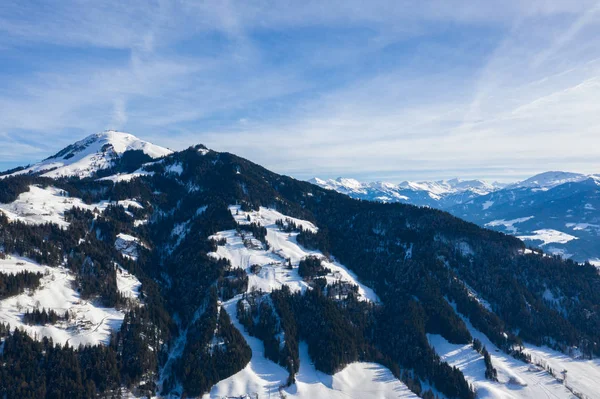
<point x="274" y="273"/>
<point x="263" y="377"/>
<point x="45" y="205"/>
<point x="88" y="323"/>
<point x="517" y="379"/>
<point x="508" y="224"/>
<point x="42" y="205"/>
<point x="548" y="236"/>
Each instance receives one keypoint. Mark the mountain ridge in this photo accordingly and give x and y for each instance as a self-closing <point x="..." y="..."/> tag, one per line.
<point x="224" y="279"/>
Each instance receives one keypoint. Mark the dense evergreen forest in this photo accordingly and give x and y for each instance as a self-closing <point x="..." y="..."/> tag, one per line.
<point x="422" y="263"/>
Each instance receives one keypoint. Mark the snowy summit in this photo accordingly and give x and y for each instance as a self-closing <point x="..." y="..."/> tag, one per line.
<point x="93" y="153"/>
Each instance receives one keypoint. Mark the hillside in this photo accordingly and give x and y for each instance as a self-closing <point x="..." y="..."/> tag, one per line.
<point x="554" y="211"/>
<point x="204" y="274"/>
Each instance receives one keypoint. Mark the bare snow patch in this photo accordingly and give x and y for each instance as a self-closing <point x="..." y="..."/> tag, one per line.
<point x="582" y="375"/>
<point x="45" y="205"/>
<point x="128" y="285"/>
<point x="548" y="236"/>
<point x="516" y="379"/>
<point x="486" y="205"/>
<point x="125" y="177"/>
<point x="509" y="225"/>
<point x="176" y="168"/>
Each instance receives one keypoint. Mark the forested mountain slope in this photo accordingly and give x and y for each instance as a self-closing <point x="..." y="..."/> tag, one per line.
<point x="220" y="273"/>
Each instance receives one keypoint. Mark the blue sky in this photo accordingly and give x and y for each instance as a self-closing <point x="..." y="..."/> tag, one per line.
<point x="378" y="90"/>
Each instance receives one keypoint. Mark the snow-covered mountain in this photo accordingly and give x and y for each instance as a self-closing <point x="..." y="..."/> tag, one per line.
<point x="557" y="211"/>
<point x="548" y="180"/>
<point x="205" y="275"/>
<point x="93" y="153"/>
<point x="559" y="215"/>
<point x="434" y="194"/>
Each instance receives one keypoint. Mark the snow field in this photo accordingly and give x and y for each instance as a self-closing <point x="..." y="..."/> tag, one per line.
<point x="128" y="245"/>
<point x="548" y="236"/>
<point x="48" y="205"/>
<point x="516" y="379"/>
<point x="87" y="324"/>
<point x="284" y="249"/>
<point x="509" y="225"/>
<point x="583" y="376"/>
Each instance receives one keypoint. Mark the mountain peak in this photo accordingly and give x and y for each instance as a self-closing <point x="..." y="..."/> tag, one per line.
<point x="547" y="180"/>
<point x="95" y="152"/>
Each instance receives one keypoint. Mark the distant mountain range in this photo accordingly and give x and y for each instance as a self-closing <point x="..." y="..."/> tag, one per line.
<point x="557" y="211"/>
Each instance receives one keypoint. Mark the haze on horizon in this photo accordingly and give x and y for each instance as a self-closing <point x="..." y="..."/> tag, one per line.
<point x="396" y="90"/>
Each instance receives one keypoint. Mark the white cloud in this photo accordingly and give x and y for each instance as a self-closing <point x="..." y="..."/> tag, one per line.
<point x="389" y="89"/>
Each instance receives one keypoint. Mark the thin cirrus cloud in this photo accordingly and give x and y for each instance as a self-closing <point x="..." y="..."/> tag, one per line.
<point x="390" y="90"/>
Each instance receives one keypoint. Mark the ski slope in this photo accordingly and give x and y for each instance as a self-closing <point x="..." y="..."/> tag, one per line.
<point x="516" y="379"/>
<point x="583" y="375"/>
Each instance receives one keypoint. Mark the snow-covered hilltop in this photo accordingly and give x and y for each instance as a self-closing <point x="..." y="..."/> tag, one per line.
<point x="93" y="153"/>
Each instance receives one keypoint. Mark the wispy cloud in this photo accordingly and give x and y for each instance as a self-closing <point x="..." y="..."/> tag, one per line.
<point x="385" y="90"/>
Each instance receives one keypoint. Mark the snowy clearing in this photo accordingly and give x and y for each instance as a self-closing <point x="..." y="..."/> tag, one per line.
<point x="548" y="236"/>
<point x="128" y="245"/>
<point x="486" y="205"/>
<point x="48" y="205"/>
<point x="583" y="376"/>
<point x="87" y="324"/>
<point x="45" y="205"/>
<point x="275" y="271"/>
<point x="509" y="225"/>
<point x="128" y="285"/>
<point x="120" y="177"/>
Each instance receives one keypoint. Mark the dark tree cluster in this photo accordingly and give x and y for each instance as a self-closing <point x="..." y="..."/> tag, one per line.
<point x="288" y="226"/>
<point x="257" y="312"/>
<point x="312" y="267"/>
<point x="32" y="369"/>
<point x="215" y="349"/>
<point x="490" y="372"/>
<point x="232" y="283"/>
<point x="42" y="317"/>
<point x="14" y="284"/>
<point x="259" y="232"/>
